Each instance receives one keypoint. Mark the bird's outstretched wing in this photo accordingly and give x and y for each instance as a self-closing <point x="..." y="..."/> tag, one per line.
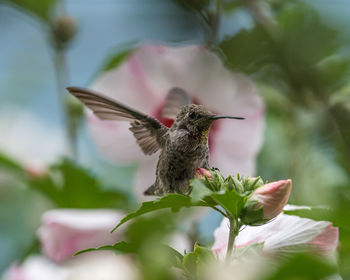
<point x="149" y="133"/>
<point x="175" y="100"/>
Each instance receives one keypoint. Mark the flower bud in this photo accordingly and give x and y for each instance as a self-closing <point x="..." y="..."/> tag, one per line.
<point x="266" y="202"/>
<point x="64" y="29"/>
<point x="202" y="172"/>
<point x="253" y="183"/>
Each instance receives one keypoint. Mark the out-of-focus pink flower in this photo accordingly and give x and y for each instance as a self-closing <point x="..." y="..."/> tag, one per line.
<point x="273" y="197"/>
<point x="201" y="172"/>
<point x="29" y="140"/>
<point x="95" y="265"/>
<point x="35" y="267"/>
<point x="64" y="232"/>
<point x="143" y="81"/>
<point x="284" y="234"/>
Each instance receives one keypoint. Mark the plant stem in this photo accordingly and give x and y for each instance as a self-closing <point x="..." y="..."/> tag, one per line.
<point x="234" y="229"/>
<point x="61" y="72"/>
<point x="215" y="24"/>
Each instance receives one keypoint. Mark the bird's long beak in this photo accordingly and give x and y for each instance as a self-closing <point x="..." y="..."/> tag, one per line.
<point x="217" y="117"/>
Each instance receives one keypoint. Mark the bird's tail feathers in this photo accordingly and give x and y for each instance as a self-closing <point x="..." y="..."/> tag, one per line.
<point x="150" y="191"/>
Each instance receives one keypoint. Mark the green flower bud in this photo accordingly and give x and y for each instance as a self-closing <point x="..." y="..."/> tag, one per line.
<point x="63" y="30"/>
<point x="266" y="202"/>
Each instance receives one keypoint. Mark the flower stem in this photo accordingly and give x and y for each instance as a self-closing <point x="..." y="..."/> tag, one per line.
<point x="234" y="229"/>
<point x="62" y="81"/>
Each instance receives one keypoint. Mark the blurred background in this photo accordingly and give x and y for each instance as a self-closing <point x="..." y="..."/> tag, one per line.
<point x="296" y="52"/>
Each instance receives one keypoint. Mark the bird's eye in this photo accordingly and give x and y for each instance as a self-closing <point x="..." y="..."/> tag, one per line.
<point x="192" y="115"/>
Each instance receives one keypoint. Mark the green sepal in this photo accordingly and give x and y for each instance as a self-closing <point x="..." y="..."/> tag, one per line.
<point x="252" y="214"/>
<point x="231" y="201"/>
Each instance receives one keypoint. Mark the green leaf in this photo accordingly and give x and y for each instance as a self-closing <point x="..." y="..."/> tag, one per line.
<point x="70" y="186"/>
<point x="334" y="72"/>
<point x="174" y="257"/>
<point x="199" y="258"/>
<point x="190" y="263"/>
<point x="114" y="60"/>
<point x="304" y="38"/>
<point x="314" y="213"/>
<point x="231" y="5"/>
<point x="42" y="9"/>
<point x="169" y="201"/>
<point x="199" y="190"/>
<point x="231" y="201"/>
<point x="116" y="57"/>
<point x="249" y="50"/>
<point x="119" y="247"/>
<point x="10" y="164"/>
<point x="304" y="267"/>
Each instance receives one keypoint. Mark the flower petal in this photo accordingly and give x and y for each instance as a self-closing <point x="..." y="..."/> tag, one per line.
<point x="88" y="266"/>
<point x="29" y="140"/>
<point x="64" y="232"/>
<point x="273" y="197"/>
<point x="36" y="268"/>
<point x="283" y="234"/>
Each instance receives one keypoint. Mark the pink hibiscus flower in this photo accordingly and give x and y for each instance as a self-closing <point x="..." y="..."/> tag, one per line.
<point x="284" y="234"/>
<point x="143" y="81"/>
<point x="66" y="231"/>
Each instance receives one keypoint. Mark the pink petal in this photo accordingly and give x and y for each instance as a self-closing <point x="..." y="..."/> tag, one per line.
<point x="273" y="197"/>
<point x="36" y="268"/>
<point x="282" y="234"/>
<point x="23" y="140"/>
<point x="201" y="172"/>
<point x="64" y="232"/>
<point x="327" y="240"/>
<point x="96" y="265"/>
<point x="237" y="142"/>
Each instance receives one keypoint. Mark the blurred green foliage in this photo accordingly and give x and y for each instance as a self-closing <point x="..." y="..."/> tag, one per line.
<point x="70" y="186"/>
<point x="67" y="185"/>
<point x="42" y="9"/>
<point x="303" y="267"/>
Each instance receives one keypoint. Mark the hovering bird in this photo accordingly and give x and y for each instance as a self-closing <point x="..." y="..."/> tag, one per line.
<point x="184" y="146"/>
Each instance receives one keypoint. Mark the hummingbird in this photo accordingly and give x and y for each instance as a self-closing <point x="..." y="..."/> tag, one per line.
<point x="183" y="147"/>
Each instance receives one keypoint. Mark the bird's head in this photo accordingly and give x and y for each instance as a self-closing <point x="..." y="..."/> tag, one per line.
<point x="197" y="119"/>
